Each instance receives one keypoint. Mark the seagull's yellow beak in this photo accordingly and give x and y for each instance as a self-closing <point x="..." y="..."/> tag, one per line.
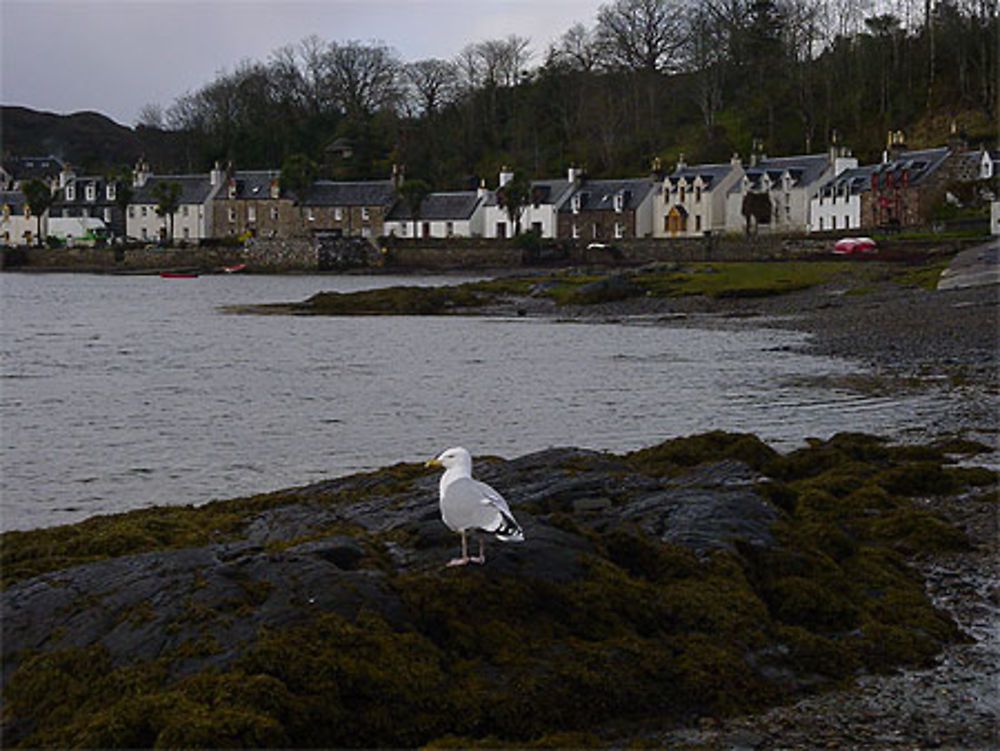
<point x="432" y="462"/>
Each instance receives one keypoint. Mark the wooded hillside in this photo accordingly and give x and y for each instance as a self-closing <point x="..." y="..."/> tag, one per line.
<point x="647" y="80"/>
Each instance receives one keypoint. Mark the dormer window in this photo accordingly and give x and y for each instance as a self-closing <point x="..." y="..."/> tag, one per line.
<point x="91" y="192"/>
<point x="365" y="214"/>
<point x="575" y="203"/>
<point x="231" y="190"/>
<point x="70" y="192"/>
<point x="683" y="193"/>
<point x="619" y="203"/>
<point x="111" y="191"/>
<point x="697" y="194"/>
<point x="275" y="189"/>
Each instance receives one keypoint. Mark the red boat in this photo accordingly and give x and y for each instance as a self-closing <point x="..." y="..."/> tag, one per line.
<point x="179" y="274"/>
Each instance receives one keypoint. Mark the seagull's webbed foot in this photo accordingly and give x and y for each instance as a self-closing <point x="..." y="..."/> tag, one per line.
<point x="459" y="561"/>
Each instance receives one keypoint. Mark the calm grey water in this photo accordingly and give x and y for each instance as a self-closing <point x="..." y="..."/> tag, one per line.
<point x="124" y="392"/>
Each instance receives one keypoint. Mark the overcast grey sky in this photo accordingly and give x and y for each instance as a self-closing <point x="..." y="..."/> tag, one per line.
<point x="114" y="56"/>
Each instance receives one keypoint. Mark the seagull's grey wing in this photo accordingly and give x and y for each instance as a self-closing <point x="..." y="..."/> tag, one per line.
<point x="470" y="504"/>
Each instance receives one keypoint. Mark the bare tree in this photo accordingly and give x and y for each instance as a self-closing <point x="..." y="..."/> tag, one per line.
<point x="643" y="35"/>
<point x="364" y="77"/>
<point x="433" y="82"/>
<point x="577" y="49"/>
<point x="151" y="116"/>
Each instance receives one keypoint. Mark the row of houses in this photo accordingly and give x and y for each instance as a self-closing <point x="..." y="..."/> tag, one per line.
<point x="806" y="193"/>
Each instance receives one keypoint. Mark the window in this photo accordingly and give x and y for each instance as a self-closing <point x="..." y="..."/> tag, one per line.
<point x="449" y="229"/>
<point x="697" y="222"/>
<point x="112" y="191"/>
<point x="683" y="193"/>
<point x="187" y="233"/>
<point x="310" y="215"/>
<point x="145" y="234"/>
<point x="834" y="222"/>
<point x="26" y="210"/>
<point x="338" y="214"/>
<point x="91" y="192"/>
<point x="107" y="215"/>
<point x="131" y="212"/>
<point x="366" y="232"/>
<point x="575" y="203"/>
<point x="697" y="194"/>
<point x="365" y="214"/>
<point x="619" y="231"/>
<point x="274" y="213"/>
<point x="619" y="202"/>
<point x="70" y="192"/>
<point x="821" y="224"/>
<point x="251" y="213"/>
<point x="232" y="214"/>
<point x="145" y="211"/>
<point x="184" y="210"/>
<point x="575" y="232"/>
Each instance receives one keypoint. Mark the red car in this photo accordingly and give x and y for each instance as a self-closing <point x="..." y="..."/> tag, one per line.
<point x="852" y="245"/>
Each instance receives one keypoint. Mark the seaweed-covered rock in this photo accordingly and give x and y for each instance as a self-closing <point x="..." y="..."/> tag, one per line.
<point x="704" y="576"/>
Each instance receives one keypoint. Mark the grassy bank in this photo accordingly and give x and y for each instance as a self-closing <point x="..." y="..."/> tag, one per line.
<point x="719" y="281"/>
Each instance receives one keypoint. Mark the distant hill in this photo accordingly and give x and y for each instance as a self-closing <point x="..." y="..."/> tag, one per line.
<point x="87" y="140"/>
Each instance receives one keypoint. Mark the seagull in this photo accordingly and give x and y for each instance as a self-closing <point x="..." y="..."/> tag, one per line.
<point x="468" y="504"/>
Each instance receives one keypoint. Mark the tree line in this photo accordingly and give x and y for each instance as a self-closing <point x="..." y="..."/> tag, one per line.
<point x="647" y="80"/>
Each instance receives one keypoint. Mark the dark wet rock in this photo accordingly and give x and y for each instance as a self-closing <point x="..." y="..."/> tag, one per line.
<point x="660" y="579"/>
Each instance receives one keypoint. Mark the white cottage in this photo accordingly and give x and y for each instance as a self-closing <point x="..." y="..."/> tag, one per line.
<point x="693" y="199"/>
<point x="790" y="183"/>
<point x="541" y="213"/>
<point x="455" y="214"/>
<point x="17" y="224"/>
<point x="837" y="205"/>
<point x="193" y="220"/>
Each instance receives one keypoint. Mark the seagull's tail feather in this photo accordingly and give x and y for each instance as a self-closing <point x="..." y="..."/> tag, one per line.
<point x="508" y="530"/>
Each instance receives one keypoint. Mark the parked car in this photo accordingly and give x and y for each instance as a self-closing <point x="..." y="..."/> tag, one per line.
<point x="852" y="245"/>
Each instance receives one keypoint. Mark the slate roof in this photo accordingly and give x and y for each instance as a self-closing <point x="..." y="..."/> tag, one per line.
<point x="195" y="189"/>
<point x="31" y="167"/>
<point x="253" y="184"/>
<point x="440" y="206"/>
<point x="917" y="164"/>
<point x="857" y="180"/>
<point x="554" y="192"/>
<point x="709" y="174"/>
<point x="80" y="198"/>
<point x="15" y="200"/>
<point x="369" y="193"/>
<point x="598" y="195"/>
<point x="803" y="169"/>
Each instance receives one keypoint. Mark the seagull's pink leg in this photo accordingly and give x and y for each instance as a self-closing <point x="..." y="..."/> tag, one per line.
<point x="481" y="558"/>
<point x="465" y="552"/>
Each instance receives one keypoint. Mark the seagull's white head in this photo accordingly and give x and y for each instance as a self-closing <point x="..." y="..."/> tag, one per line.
<point x="454" y="458"/>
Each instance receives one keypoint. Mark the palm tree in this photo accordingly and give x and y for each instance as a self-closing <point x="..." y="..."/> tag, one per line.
<point x="413" y="193"/>
<point x="168" y="199"/>
<point x="39" y="197"/>
<point x="513" y="198"/>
